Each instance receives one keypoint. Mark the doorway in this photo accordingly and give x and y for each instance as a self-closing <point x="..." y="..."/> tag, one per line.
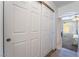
<point x="70" y="34"/>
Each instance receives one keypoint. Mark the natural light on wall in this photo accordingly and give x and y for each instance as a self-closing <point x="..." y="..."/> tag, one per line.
<point x="66" y="28"/>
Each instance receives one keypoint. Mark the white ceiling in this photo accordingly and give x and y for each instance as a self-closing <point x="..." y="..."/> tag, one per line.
<point x="62" y="3"/>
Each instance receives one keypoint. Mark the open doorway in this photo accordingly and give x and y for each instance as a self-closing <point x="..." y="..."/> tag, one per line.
<point x="70" y="33"/>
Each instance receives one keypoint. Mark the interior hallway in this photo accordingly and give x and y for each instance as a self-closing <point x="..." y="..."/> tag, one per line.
<point x="31" y="29"/>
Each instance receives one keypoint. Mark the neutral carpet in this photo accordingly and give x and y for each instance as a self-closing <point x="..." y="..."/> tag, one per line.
<point x="64" y="53"/>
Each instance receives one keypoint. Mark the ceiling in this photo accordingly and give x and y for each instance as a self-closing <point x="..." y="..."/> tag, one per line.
<point x="62" y="3"/>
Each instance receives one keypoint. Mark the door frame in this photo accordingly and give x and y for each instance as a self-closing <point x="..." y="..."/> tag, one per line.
<point x="58" y="32"/>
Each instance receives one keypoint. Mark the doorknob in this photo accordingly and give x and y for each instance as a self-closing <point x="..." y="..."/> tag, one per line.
<point x="61" y="34"/>
<point x="8" y="40"/>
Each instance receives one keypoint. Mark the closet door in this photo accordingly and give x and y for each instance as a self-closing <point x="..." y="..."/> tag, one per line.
<point x="35" y="16"/>
<point x="22" y="28"/>
<point x="16" y="29"/>
<point x="53" y="30"/>
<point x="46" y="31"/>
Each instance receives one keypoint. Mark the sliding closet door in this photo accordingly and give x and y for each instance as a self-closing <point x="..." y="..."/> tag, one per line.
<point x="35" y="16"/>
<point x="46" y="25"/>
<point x="53" y="30"/>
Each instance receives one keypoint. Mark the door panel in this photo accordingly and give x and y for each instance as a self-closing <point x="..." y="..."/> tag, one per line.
<point x="35" y="48"/>
<point x="18" y="37"/>
<point x="21" y="4"/>
<point x="19" y="23"/>
<point x="20" y="49"/>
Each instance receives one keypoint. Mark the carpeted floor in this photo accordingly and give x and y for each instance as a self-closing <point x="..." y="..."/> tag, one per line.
<point x="64" y="53"/>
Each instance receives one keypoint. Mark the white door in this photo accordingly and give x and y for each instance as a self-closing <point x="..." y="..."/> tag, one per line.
<point x="46" y="30"/>
<point x="22" y="35"/>
<point x="35" y="16"/>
